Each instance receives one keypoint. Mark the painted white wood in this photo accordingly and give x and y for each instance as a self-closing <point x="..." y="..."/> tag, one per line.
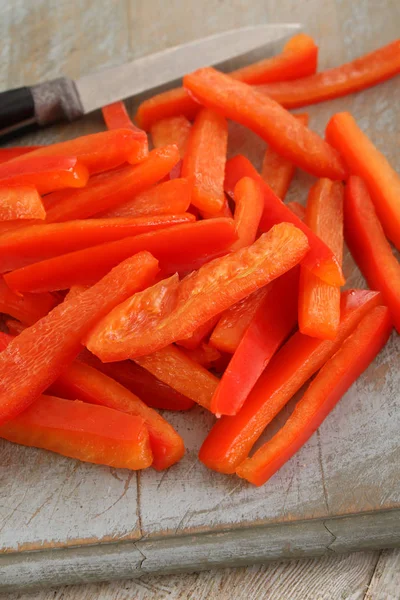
<point x="385" y="583"/>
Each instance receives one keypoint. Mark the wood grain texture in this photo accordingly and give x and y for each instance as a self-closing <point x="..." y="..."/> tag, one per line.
<point x="48" y="501"/>
<point x="385" y="583"/>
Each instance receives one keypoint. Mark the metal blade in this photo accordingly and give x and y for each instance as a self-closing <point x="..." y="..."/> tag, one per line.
<point x="154" y="70"/>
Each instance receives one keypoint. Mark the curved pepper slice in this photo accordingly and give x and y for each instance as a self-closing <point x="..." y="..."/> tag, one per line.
<point x="299" y="58"/>
<point x="171" y="309"/>
<point x="319" y="302"/>
<point x="194" y="341"/>
<point x="116" y="117"/>
<point x="83" y="382"/>
<point x="273" y="322"/>
<point x="10" y="153"/>
<point x="36" y="357"/>
<point x="231" y="439"/>
<point x="110" y="189"/>
<point x="322" y="395"/>
<point x="205" y="355"/>
<point x="22" y="202"/>
<point x="94" y="434"/>
<point x="280" y="129"/>
<point x="298" y="209"/>
<point x="361" y="73"/>
<point x="369" y="246"/>
<point x="320" y="260"/>
<point x="249" y="207"/>
<point x="206" y="169"/>
<point x="46" y="174"/>
<point x="367" y="162"/>
<point x="40" y="242"/>
<point x="172" y="366"/>
<point x="174" y="130"/>
<point x="278" y="171"/>
<point x="27" y="308"/>
<point x="180" y="248"/>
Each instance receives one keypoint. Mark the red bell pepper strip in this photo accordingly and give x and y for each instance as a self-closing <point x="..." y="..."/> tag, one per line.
<point x="172" y="366"/>
<point x="322" y="395"/>
<point x="206" y="169"/>
<point x="46" y="174"/>
<point x="21" y="202"/>
<point x="10" y="153"/>
<point x="204" y="354"/>
<point x="36" y="357"/>
<point x="235" y="320"/>
<point x="298" y="59"/>
<point x="367" y="162"/>
<point x="171" y="310"/>
<point x="319" y="302"/>
<point x="181" y="248"/>
<point x="94" y="434"/>
<point x="361" y="73"/>
<point x="82" y="381"/>
<point x="27" y="308"/>
<point x="40" y="242"/>
<point x="298" y="209"/>
<point x="320" y="260"/>
<point x="369" y="246"/>
<point x="14" y="327"/>
<point x="224" y="212"/>
<point x="198" y="336"/>
<point x="110" y="189"/>
<point x="278" y="171"/>
<point x="280" y="129"/>
<point x="175" y="130"/>
<point x="116" y="117"/>
<point x="97" y="152"/>
<point x="4" y="340"/>
<point x="167" y="198"/>
<point x="273" y="322"/>
<point x="249" y="207"/>
<point x="152" y="391"/>
<point x="231" y="439"/>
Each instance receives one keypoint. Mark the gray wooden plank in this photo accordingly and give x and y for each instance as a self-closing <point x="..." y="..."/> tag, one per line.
<point x="385" y="583"/>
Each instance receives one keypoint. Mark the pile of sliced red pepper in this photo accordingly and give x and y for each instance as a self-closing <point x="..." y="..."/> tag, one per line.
<point x="135" y="280"/>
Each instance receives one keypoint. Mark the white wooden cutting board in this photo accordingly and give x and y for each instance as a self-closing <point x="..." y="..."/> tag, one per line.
<point x="62" y="521"/>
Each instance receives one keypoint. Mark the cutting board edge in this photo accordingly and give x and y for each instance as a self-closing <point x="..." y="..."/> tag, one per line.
<point x="236" y="547"/>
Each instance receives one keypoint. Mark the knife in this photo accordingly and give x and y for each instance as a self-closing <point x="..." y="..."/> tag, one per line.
<point x="64" y="99"/>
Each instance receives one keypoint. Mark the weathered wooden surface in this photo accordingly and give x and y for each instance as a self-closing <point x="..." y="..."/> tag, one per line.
<point x="351" y="465"/>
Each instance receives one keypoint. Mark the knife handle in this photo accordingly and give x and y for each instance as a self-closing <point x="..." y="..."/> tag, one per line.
<point x="38" y="106"/>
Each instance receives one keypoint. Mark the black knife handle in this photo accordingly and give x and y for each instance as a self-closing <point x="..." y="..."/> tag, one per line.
<point x="39" y="105"/>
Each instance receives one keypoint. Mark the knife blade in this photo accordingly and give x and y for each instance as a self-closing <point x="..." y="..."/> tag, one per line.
<point x="66" y="99"/>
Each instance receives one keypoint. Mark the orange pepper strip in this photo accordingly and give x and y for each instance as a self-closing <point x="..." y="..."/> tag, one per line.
<point x="116" y="117"/>
<point x="82" y="381"/>
<point x="94" y="434"/>
<point x="278" y="171"/>
<point x="198" y="336"/>
<point x="40" y="242"/>
<point x="167" y="198"/>
<point x="27" y="308"/>
<point x="298" y="209"/>
<point x="207" y="169"/>
<point x="319" y="302"/>
<point x="279" y="128"/>
<point x="172" y="366"/>
<point x="322" y="395"/>
<point x="204" y="354"/>
<point x="10" y="153"/>
<point x="174" y="130"/>
<point x="110" y="189"/>
<point x="367" y="162"/>
<point x="171" y="310"/>
<point x="36" y="357"/>
<point x="271" y="325"/>
<point x="46" y="174"/>
<point x="152" y="391"/>
<point x="249" y="207"/>
<point x="21" y="202"/>
<point x="369" y="246"/>
<point x="299" y="58"/>
<point x="320" y="260"/>
<point x="231" y="439"/>
<point x="97" y="152"/>
<point x="180" y="248"/>
<point x="361" y="73"/>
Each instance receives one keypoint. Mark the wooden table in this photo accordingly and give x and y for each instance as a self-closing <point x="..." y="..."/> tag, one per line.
<point x="40" y="39"/>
